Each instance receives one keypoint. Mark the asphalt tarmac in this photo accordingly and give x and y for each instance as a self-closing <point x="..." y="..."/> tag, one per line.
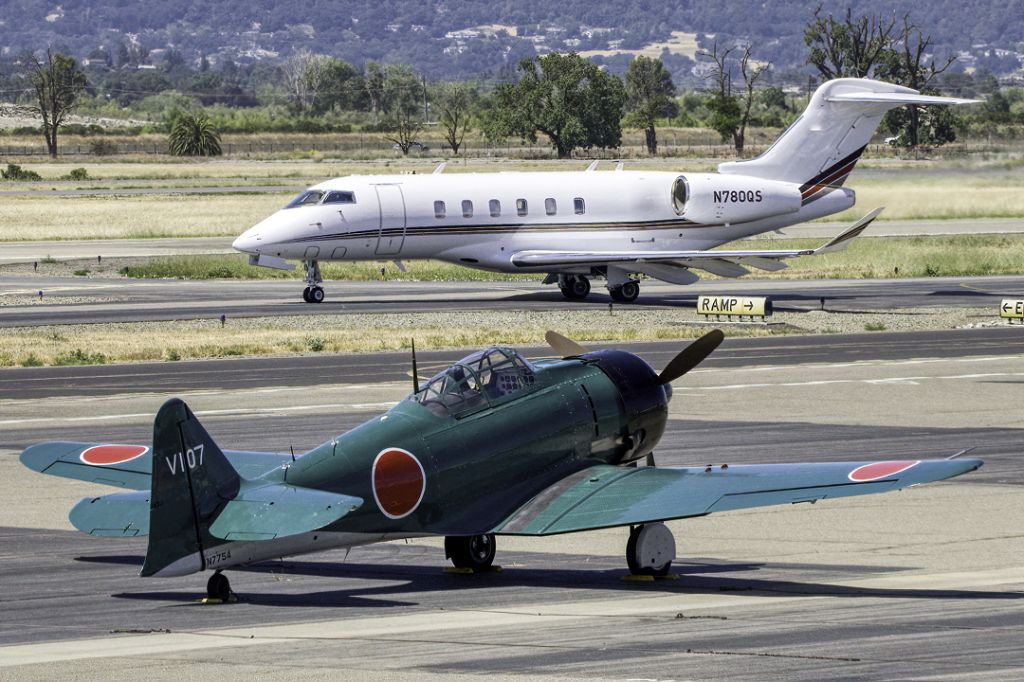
<point x="921" y="584"/>
<point x="87" y="301"/>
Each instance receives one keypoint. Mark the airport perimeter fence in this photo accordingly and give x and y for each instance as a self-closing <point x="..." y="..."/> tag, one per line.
<point x="373" y="147"/>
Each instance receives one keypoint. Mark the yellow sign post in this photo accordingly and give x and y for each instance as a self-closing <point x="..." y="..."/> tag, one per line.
<point x="735" y="306"/>
<point x="1012" y="309"/>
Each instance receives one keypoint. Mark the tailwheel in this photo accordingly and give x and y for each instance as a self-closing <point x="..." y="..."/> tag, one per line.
<point x="218" y="587"/>
<point x="650" y="550"/>
<point x="627" y="293"/>
<point x="575" y="287"/>
<point x="474" y="552"/>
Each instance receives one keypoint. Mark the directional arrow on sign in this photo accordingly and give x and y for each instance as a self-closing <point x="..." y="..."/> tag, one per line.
<point x="750" y="304"/>
<point x="1006" y="306"/>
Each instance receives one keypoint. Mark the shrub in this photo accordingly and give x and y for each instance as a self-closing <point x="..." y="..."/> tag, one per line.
<point x="102" y="147"/>
<point x="16" y="172"/>
<point x="31" y="361"/>
<point x="80" y="357"/>
<point x="77" y="174"/>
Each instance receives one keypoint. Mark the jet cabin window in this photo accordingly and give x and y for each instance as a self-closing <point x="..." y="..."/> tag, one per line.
<point x="680" y="193"/>
<point x="439" y="210"/>
<point x="578" y="207"/>
<point x="467" y="208"/>
<point x="550" y="207"/>
<point x="495" y="207"/>
<point x="521" y="207"/>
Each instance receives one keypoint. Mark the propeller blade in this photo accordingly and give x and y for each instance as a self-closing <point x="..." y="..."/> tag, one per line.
<point x="691" y="356"/>
<point x="564" y="346"/>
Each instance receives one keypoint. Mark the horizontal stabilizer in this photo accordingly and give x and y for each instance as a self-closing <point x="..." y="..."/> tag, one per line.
<point x="116" y="515"/>
<point x="895" y="98"/>
<point x="842" y="241"/>
<point x="277" y="510"/>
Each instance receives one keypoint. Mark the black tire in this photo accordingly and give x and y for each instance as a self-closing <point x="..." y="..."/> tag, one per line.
<point x="634" y="565"/>
<point x="316" y="295"/>
<point x="576" y="288"/>
<point x="218" y="587"/>
<point x="627" y="293"/>
<point x="305" y="295"/>
<point x="471" y="551"/>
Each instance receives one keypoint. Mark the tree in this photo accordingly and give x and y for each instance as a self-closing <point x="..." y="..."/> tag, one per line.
<point x="338" y="85"/>
<point x="730" y="113"/>
<point x="454" y="103"/>
<point x="57" y="82"/>
<point x="565" y="97"/>
<point x="192" y="134"/>
<point x="910" y="64"/>
<point x="651" y="91"/>
<point x="401" y="99"/>
<point x="373" y="81"/>
<point x="848" y="47"/>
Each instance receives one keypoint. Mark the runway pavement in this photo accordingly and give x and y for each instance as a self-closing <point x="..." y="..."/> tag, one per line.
<point x="68" y="300"/>
<point x="922" y="584"/>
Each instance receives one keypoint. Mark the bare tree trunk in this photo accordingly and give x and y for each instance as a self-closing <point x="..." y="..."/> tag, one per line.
<point x="651" y="140"/>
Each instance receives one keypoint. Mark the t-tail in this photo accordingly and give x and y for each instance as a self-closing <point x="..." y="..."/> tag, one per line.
<point x="822" y="146"/>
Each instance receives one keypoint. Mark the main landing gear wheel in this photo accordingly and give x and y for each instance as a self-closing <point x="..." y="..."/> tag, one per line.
<point x="305" y="295"/>
<point x="626" y="293"/>
<point x="316" y="295"/>
<point x="218" y="587"/>
<point x="575" y="288"/>
<point x="471" y="551"/>
<point x="650" y="550"/>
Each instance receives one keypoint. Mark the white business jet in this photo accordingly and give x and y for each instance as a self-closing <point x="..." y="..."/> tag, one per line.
<point x="579" y="226"/>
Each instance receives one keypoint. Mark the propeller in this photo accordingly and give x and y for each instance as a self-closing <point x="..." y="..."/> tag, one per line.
<point x="564" y="346"/>
<point x="691" y="356"/>
<point x="687" y="359"/>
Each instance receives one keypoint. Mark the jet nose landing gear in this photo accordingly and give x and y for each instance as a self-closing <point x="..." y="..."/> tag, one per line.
<point x="313" y="293"/>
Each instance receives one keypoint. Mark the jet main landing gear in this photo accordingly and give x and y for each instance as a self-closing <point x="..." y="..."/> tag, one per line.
<point x="625" y="293"/>
<point x="574" y="287"/>
<point x="650" y="550"/>
<point x="313" y="293"/>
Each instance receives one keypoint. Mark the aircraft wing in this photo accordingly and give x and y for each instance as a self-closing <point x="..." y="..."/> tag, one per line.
<point x="604" y="496"/>
<point x="125" y="466"/>
<point x="724" y="262"/>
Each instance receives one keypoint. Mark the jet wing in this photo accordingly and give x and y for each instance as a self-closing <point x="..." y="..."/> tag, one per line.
<point x="604" y="496"/>
<point x="125" y="466"/>
<point x="717" y="261"/>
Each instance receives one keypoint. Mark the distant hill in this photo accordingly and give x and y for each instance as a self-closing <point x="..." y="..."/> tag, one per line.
<point x="465" y="38"/>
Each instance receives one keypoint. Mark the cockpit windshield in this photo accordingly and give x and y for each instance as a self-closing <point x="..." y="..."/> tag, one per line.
<point x="312" y="197"/>
<point x="476" y="381"/>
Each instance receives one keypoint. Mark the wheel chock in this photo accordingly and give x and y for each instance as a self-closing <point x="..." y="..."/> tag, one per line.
<point x="667" y="576"/>
<point x="631" y="578"/>
<point x="214" y="600"/>
<point x="471" y="571"/>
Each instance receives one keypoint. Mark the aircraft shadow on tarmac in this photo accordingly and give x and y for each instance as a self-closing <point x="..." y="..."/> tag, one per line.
<point x="408" y="580"/>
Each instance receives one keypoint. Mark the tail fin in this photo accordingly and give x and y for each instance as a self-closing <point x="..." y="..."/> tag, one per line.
<point x="192" y="481"/>
<point x="821" y="148"/>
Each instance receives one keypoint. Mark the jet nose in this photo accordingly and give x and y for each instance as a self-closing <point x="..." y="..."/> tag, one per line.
<point x="247" y="242"/>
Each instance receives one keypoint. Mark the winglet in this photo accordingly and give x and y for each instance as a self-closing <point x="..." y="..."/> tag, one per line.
<point x="843" y="240"/>
<point x="440" y="168"/>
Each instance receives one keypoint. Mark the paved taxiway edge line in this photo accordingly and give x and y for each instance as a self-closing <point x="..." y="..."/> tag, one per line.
<point x="434" y="621"/>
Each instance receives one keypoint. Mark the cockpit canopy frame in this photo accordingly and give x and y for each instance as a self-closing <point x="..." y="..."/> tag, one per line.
<point x="484" y="379"/>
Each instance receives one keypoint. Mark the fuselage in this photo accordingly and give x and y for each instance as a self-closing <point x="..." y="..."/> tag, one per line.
<point x="481" y="219"/>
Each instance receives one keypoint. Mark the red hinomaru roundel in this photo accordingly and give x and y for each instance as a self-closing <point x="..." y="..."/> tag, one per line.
<point x="105" y="455"/>
<point x="873" y="472"/>
<point x="399" y="482"/>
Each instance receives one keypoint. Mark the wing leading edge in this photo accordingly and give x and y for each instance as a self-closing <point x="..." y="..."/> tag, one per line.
<point x="605" y="496"/>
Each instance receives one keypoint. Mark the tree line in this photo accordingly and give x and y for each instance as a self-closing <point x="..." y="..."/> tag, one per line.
<point x="564" y="99"/>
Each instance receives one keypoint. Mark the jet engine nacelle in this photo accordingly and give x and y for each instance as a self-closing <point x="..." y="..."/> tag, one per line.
<point x="715" y="199"/>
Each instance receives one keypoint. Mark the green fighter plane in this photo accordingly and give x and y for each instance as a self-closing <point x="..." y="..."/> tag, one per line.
<point x="494" y="445"/>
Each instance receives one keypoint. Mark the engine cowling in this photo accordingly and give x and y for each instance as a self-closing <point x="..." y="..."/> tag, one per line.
<point x="715" y="199"/>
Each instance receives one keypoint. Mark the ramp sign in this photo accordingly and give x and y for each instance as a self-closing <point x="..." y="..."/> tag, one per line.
<point x="741" y="306"/>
